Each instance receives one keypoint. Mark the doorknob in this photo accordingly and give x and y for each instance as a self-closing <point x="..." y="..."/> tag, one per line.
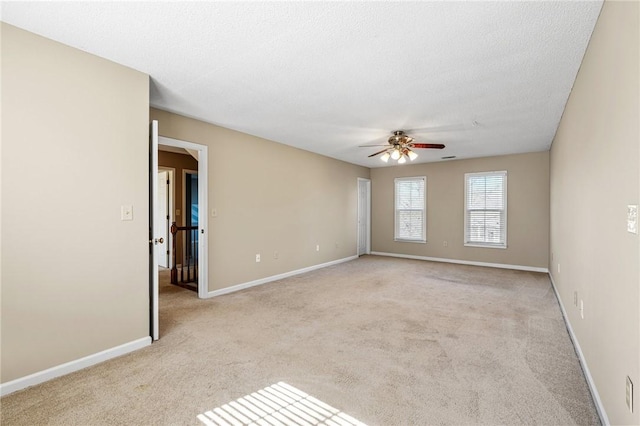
<point x="157" y="241"/>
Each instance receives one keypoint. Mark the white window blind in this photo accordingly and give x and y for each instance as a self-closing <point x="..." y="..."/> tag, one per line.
<point x="485" y="202"/>
<point x="410" y="206"/>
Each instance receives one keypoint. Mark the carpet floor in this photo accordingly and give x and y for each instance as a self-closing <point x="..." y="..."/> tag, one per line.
<point x="377" y="340"/>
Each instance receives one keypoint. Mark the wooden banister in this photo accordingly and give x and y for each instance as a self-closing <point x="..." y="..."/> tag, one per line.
<point x="189" y="258"/>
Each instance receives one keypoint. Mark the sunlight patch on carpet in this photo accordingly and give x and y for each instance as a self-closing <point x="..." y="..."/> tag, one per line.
<point x="277" y="405"/>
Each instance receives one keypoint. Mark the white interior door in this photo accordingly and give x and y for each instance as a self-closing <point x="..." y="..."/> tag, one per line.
<point x="162" y="216"/>
<point x="153" y="239"/>
<point x="364" y="214"/>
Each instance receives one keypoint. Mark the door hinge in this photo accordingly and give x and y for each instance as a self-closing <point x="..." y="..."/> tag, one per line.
<point x="167" y="181"/>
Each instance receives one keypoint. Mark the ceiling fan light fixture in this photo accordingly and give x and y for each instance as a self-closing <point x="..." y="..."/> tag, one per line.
<point x="401" y="147"/>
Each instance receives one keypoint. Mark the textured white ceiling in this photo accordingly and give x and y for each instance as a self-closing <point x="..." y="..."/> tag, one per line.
<point x="484" y="78"/>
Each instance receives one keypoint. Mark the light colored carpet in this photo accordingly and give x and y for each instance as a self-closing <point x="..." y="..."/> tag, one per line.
<point x="385" y="341"/>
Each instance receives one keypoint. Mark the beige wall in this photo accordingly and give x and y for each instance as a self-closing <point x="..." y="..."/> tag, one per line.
<point x="527" y="210"/>
<point x="594" y="176"/>
<point x="74" y="141"/>
<point x="270" y="197"/>
<point x="179" y="162"/>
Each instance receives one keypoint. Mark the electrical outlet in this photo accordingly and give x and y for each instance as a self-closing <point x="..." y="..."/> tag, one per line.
<point x="558" y="268"/>
<point x="445" y="244"/>
<point x="317" y="247"/>
<point x="575" y="298"/>
<point x="582" y="309"/>
<point x="214" y="212"/>
<point x="257" y="258"/>
<point x="126" y="212"/>
<point x="275" y="254"/>
<point x="632" y="218"/>
<point x="629" y="394"/>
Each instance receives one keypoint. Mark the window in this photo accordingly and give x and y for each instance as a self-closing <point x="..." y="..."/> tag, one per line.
<point x="485" y="204"/>
<point x="411" y="220"/>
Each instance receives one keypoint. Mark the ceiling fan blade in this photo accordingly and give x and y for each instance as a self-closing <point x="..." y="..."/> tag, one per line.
<point x="369" y="146"/>
<point x="379" y="152"/>
<point x="427" y="145"/>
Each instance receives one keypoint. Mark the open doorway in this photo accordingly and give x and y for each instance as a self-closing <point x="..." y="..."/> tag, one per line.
<point x="182" y="230"/>
<point x="158" y="217"/>
<point x="183" y="268"/>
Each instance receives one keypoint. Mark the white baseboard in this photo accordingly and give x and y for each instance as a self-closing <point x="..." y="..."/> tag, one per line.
<point x="261" y="281"/>
<point x="70" y="367"/>
<point x="583" y="362"/>
<point x="464" y="262"/>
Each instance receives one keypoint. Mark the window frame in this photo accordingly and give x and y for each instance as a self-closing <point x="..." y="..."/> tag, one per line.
<point x="485" y="244"/>
<point x="396" y="237"/>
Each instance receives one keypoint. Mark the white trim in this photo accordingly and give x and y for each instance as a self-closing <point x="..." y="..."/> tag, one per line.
<point x="583" y="362"/>
<point x="400" y="240"/>
<point x="203" y="220"/>
<point x="266" y="280"/>
<point x="163" y="140"/>
<point x="464" y="262"/>
<point x="485" y="245"/>
<point x="72" y="366"/>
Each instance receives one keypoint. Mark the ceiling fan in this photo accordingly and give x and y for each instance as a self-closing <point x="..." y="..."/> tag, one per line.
<point x="400" y="147"/>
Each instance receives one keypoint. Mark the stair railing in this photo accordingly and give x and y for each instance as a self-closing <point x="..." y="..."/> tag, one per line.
<point x="188" y="271"/>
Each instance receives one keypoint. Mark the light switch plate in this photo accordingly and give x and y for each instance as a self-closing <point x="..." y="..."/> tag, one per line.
<point x="632" y="218"/>
<point x="126" y="212"/>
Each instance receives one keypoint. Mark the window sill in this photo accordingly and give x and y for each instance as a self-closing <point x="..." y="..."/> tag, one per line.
<point x="480" y="245"/>
<point x="397" y="240"/>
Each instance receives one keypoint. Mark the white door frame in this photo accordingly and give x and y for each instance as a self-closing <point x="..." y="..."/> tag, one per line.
<point x="367" y="216"/>
<point x="203" y="286"/>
